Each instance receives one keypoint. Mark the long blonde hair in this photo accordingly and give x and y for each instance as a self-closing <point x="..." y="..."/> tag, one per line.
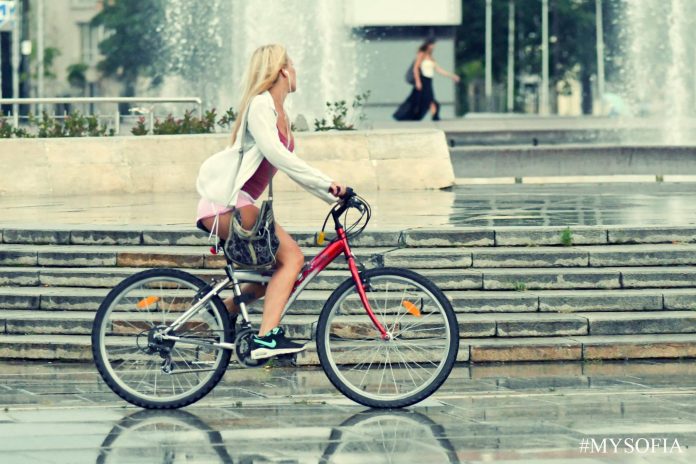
<point x="262" y="72"/>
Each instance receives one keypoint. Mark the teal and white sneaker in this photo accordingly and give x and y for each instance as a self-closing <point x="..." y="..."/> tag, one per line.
<point x="273" y="344"/>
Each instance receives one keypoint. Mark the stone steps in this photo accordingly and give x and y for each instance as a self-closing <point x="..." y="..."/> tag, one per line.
<point x="16" y="255"/>
<point x="568" y="348"/>
<point x="520" y="279"/>
<point x="311" y="301"/>
<point x="520" y="295"/>
<point x="417" y="237"/>
<point x="28" y="322"/>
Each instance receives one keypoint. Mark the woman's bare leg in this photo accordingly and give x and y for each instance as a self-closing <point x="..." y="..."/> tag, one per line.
<point x="290" y="261"/>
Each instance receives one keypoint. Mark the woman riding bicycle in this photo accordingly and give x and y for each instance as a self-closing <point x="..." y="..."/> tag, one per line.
<point x="268" y="146"/>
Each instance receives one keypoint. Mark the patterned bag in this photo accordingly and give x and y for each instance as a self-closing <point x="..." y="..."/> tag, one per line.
<point x="255" y="248"/>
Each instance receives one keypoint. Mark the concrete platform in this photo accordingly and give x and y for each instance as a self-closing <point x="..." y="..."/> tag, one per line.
<point x="526" y="412"/>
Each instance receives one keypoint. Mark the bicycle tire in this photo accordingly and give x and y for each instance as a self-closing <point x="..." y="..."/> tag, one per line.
<point x="97" y="335"/>
<point x="331" y="370"/>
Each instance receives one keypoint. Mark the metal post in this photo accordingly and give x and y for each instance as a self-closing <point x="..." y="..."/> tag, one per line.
<point x="544" y="93"/>
<point x="40" y="51"/>
<point x="117" y="122"/>
<point x="489" y="55"/>
<point x="600" y="54"/>
<point x="511" y="57"/>
<point x="151" y="129"/>
<point x="15" y="59"/>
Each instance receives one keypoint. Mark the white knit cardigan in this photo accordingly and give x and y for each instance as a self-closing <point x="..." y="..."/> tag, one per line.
<point x="218" y="179"/>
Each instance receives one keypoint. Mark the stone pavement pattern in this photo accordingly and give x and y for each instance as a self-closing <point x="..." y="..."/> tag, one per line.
<point x="532" y="413"/>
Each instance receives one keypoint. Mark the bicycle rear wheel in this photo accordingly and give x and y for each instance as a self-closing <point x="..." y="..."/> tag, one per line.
<point x="415" y="360"/>
<point x="155" y="373"/>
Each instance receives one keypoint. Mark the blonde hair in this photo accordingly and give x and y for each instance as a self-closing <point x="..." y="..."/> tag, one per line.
<point x="262" y="72"/>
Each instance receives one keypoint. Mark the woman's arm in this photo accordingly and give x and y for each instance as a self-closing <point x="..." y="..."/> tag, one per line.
<point x="416" y="68"/>
<point x="439" y="70"/>
<point x="262" y="126"/>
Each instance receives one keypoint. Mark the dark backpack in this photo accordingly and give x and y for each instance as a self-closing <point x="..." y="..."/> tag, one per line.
<point x="409" y="74"/>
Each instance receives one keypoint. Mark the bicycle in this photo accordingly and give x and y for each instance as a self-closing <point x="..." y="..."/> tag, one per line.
<point x="162" y="339"/>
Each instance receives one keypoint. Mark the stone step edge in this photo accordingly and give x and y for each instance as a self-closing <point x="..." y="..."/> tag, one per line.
<point x="497" y="325"/>
<point x="573" y="348"/>
<point x="464" y="235"/>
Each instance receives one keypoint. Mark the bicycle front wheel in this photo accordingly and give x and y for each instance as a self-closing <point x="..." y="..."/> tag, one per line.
<point x="416" y="358"/>
<point x="146" y="370"/>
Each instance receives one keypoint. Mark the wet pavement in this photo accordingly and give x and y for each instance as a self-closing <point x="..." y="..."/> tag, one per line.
<point x="463" y="205"/>
<point x="536" y="412"/>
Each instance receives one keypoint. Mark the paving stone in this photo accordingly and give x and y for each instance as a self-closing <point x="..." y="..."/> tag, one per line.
<point x="680" y="299"/>
<point x="105" y="237"/>
<point x="485" y="302"/>
<point x="659" y="277"/>
<point x="540" y="325"/>
<point x="599" y="300"/>
<point x="83" y="277"/>
<point x="531" y="236"/>
<point x="455" y="279"/>
<point x="542" y="257"/>
<point x="639" y="346"/>
<point x="641" y="323"/>
<point x="448" y="238"/>
<point x="18" y="277"/>
<point x="36" y="237"/>
<point x="658" y="234"/>
<point x="428" y="258"/>
<point x="528" y="349"/>
<point x="50" y="347"/>
<point x="476" y="325"/>
<point x="148" y="260"/>
<point x="175" y="237"/>
<point x="76" y="259"/>
<point x="81" y="300"/>
<point x="369" y="238"/>
<point x="10" y="257"/>
<point x="45" y="322"/>
<point x="11" y="298"/>
<point x="531" y="279"/>
<point x="642" y="255"/>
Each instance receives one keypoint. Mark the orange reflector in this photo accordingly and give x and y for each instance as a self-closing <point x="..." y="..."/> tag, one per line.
<point x="145" y="302"/>
<point x="411" y="308"/>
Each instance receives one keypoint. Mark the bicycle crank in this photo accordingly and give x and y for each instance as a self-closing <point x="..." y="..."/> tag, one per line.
<point x="242" y="349"/>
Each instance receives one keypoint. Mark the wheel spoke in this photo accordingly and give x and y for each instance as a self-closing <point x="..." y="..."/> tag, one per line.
<point x="136" y="369"/>
<point x="380" y="371"/>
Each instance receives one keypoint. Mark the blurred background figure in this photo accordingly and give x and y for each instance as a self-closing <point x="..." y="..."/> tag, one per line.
<point x="422" y="98"/>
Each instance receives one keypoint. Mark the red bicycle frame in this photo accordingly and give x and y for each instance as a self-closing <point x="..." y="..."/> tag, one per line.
<point x="325" y="257"/>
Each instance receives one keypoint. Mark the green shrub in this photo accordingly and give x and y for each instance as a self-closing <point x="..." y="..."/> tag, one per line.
<point x="567" y="237"/>
<point x="338" y="114"/>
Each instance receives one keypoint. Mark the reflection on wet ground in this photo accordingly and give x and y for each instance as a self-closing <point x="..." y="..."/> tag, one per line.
<point x="471" y="205"/>
<point x="537" y="412"/>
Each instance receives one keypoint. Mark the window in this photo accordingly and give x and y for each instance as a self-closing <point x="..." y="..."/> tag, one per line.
<point x="89" y="42"/>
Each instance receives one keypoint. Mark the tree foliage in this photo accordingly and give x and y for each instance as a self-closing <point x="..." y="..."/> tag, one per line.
<point x="572" y="50"/>
<point x="133" y="45"/>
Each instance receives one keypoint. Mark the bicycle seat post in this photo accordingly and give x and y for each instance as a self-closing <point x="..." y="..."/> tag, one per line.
<point x="238" y="299"/>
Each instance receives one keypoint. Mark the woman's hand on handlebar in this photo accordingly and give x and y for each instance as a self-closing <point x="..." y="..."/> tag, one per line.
<point x="338" y="190"/>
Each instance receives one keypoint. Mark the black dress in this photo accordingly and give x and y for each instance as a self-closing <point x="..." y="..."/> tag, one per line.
<point x="418" y="103"/>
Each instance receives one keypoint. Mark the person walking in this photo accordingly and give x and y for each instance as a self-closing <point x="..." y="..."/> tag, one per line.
<point x="422" y="97"/>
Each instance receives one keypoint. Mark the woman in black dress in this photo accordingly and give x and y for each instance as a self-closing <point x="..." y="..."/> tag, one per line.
<point x="422" y="97"/>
